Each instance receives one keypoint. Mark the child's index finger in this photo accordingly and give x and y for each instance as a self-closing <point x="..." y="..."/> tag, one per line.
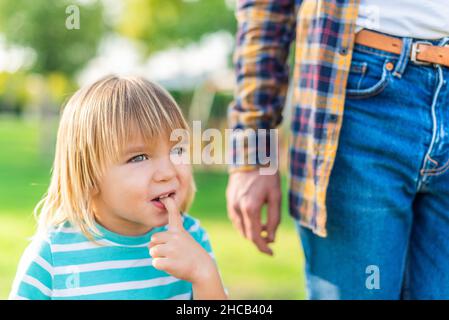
<point x="174" y="216"/>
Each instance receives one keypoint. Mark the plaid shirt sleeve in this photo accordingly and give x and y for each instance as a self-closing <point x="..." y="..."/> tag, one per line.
<point x="324" y="36"/>
<point x="265" y="30"/>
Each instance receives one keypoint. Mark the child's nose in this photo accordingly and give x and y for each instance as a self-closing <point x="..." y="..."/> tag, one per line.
<point x="165" y="170"/>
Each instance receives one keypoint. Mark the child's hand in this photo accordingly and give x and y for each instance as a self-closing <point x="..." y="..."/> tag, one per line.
<point x="176" y="251"/>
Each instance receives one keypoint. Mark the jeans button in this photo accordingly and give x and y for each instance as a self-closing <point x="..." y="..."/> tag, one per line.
<point x="389" y="66"/>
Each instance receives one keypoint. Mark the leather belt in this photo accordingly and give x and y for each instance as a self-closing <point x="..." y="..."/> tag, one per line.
<point x="422" y="52"/>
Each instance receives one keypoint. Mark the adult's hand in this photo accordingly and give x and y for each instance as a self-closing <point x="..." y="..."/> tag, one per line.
<point x="246" y="194"/>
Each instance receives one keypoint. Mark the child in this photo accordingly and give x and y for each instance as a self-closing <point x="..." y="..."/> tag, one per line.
<point x="109" y="226"/>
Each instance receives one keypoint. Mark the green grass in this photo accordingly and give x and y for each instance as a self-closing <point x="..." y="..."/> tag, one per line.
<point x="247" y="274"/>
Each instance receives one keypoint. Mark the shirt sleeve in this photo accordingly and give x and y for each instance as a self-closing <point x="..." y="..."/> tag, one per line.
<point x="265" y="30"/>
<point x="33" y="280"/>
<point x="198" y="233"/>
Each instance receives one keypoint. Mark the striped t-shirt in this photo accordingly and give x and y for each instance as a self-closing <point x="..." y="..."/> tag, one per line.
<point x="64" y="264"/>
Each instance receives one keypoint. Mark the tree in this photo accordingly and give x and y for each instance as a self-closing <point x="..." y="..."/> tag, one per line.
<point x="167" y="23"/>
<point x="60" y="52"/>
<point x="41" y="26"/>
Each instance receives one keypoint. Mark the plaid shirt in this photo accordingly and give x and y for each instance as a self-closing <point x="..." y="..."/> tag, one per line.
<point x="324" y="34"/>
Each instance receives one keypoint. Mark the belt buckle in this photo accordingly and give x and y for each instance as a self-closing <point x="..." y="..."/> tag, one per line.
<point x="415" y="51"/>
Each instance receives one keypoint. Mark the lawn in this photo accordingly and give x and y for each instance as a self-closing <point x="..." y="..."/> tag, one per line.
<point x="247" y="274"/>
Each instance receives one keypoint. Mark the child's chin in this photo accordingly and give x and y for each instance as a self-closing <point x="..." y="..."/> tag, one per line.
<point x="160" y="222"/>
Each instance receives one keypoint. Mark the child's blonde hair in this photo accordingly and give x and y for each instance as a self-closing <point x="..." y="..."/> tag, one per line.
<point x="96" y="124"/>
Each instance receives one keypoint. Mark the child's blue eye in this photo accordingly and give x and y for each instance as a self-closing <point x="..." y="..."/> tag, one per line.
<point x="138" y="158"/>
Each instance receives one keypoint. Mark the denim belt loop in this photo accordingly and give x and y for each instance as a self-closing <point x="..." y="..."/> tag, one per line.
<point x="404" y="57"/>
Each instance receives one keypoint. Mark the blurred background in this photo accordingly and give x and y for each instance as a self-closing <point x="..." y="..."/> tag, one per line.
<point x="49" y="48"/>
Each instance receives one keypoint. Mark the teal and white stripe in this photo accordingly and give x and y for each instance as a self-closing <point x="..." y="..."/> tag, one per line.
<point x="66" y="265"/>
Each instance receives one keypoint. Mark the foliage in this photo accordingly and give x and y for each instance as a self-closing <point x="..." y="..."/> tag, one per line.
<point x="41" y="26"/>
<point x="161" y="23"/>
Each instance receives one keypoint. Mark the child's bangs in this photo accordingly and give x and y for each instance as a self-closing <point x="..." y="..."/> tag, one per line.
<point x="147" y="131"/>
<point x="141" y="111"/>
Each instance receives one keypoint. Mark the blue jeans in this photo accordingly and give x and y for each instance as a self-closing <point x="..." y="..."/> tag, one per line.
<point x="388" y="195"/>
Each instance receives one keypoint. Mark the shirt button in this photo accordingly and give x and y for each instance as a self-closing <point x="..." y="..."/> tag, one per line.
<point x="344" y="51"/>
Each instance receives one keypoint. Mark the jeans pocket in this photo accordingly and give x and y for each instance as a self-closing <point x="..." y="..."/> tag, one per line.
<point x="368" y="76"/>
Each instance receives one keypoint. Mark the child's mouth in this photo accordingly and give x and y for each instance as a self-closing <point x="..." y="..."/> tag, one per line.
<point x="156" y="201"/>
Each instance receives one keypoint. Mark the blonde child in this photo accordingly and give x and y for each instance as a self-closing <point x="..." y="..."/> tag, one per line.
<point x="112" y="224"/>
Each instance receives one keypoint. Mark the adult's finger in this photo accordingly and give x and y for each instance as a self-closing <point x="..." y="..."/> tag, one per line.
<point x="174" y="215"/>
<point x="253" y="226"/>
<point x="273" y="215"/>
<point x="236" y="218"/>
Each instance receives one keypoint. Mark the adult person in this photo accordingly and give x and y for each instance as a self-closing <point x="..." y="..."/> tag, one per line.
<point x="369" y="145"/>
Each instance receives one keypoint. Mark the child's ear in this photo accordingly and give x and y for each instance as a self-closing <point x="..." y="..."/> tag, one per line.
<point x="95" y="192"/>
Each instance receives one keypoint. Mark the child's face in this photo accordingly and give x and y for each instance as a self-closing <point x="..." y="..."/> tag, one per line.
<point x="126" y="202"/>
